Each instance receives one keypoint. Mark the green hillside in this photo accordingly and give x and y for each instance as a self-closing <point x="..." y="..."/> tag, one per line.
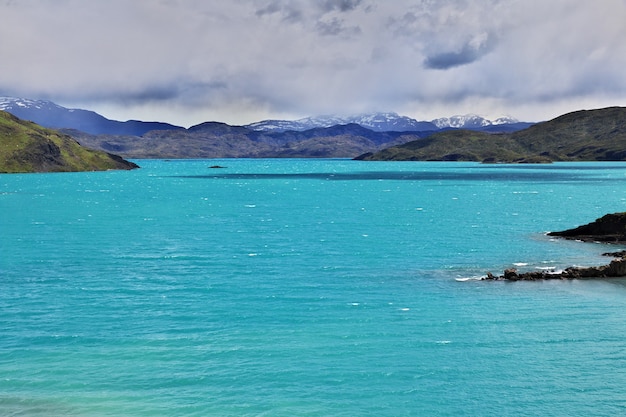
<point x="454" y="145"/>
<point x="586" y="135"/>
<point x="28" y="147"/>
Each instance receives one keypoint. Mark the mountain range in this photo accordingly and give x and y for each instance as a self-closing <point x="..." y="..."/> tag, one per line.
<point x="378" y="122"/>
<point x="52" y="115"/>
<point x="590" y="135"/>
<point x="584" y="135"/>
<point x="219" y="140"/>
<point x="321" y="137"/>
<point x="391" y="122"/>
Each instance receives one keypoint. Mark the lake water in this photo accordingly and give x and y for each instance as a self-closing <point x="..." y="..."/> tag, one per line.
<point x="307" y="288"/>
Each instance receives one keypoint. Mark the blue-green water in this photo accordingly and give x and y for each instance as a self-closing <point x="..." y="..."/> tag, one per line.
<point x="307" y="288"/>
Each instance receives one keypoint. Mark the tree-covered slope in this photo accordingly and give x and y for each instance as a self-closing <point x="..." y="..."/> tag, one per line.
<point x="28" y="147"/>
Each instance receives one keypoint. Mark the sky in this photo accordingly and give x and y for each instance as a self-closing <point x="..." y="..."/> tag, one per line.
<point x="240" y="61"/>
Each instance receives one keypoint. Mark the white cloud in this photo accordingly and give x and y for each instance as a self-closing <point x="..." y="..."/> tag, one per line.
<point x="187" y="61"/>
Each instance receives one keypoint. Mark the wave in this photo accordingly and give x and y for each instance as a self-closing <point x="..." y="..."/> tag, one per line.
<point x="465" y="279"/>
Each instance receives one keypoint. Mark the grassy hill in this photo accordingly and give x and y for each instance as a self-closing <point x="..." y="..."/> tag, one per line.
<point x="28" y="147"/>
<point x="454" y="145"/>
<point x="586" y="135"/>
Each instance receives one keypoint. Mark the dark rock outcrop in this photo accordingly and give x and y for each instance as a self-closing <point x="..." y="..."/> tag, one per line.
<point x="615" y="269"/>
<point x="610" y="228"/>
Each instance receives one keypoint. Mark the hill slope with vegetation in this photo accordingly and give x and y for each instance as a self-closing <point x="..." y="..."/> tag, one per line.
<point x="586" y="135"/>
<point x="28" y="147"/>
<point x="219" y="140"/>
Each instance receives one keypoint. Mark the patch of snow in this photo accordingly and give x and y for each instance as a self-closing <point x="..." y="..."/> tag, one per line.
<point x="386" y="121"/>
<point x="470" y="121"/>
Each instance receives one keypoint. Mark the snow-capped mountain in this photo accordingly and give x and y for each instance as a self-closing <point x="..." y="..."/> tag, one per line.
<point x="383" y="122"/>
<point x="505" y="120"/>
<point x="51" y="115"/>
<point x="470" y="121"/>
<point x="10" y="104"/>
<point x="378" y="122"/>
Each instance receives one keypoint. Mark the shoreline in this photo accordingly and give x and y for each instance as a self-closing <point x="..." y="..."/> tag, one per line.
<point x="609" y="229"/>
<point x="615" y="269"/>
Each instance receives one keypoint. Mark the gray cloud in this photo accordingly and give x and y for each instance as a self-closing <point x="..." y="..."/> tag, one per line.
<point x="187" y="61"/>
<point x="336" y="27"/>
<point x="270" y="8"/>
<point x="468" y="53"/>
<point x="289" y="11"/>
<point x="341" y="5"/>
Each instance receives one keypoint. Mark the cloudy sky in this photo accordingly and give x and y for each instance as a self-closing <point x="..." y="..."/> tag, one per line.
<point x="239" y="61"/>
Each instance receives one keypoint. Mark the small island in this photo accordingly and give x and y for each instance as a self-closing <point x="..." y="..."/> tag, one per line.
<point x="610" y="228"/>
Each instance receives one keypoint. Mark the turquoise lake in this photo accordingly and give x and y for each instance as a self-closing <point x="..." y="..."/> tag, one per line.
<point x="308" y="288"/>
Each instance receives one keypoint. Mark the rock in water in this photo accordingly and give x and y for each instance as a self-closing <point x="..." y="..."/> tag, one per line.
<point x="615" y="269"/>
<point x="610" y="228"/>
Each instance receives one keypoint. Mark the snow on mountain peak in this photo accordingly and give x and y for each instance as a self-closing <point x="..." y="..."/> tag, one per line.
<point x="468" y="121"/>
<point x="379" y="121"/>
<point x="505" y="120"/>
<point x="11" y="103"/>
<point x="383" y="121"/>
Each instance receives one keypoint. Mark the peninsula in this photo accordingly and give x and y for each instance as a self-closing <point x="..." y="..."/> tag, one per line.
<point x="28" y="147"/>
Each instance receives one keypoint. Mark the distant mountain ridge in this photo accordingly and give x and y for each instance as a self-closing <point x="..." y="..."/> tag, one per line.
<point x="385" y="122"/>
<point x="584" y="135"/>
<point x="471" y="121"/>
<point x="220" y="140"/>
<point x="378" y="122"/>
<point x="594" y="135"/>
<point x="51" y="115"/>
<point x="313" y="137"/>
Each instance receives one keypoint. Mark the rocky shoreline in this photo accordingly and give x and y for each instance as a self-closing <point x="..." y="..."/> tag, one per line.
<point x="615" y="269"/>
<point x="610" y="228"/>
